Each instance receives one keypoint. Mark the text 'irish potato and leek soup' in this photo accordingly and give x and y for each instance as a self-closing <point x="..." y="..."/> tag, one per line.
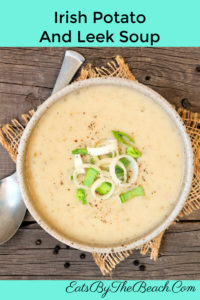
<point x="104" y="165"/>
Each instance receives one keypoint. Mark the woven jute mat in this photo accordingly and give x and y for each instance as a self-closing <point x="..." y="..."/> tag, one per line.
<point x="10" y="135"/>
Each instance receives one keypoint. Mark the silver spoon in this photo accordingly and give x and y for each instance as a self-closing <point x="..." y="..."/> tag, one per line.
<point x="12" y="207"/>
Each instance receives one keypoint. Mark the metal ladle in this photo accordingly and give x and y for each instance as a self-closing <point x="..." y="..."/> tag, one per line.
<point x="12" y="207"/>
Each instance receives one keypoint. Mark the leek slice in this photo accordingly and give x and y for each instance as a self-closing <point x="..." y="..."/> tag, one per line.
<point x="138" y="191"/>
<point x="122" y="137"/>
<point x="78" y="163"/>
<point x="97" y="184"/>
<point x="90" y="176"/>
<point x="133" y="167"/>
<point x="77" y="172"/>
<point x="104" y="188"/>
<point x="82" y="151"/>
<point x="81" y="195"/>
<point x="108" y="148"/>
<point x="133" y="152"/>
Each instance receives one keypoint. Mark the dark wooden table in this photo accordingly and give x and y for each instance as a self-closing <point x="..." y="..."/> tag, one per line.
<point x="27" y="76"/>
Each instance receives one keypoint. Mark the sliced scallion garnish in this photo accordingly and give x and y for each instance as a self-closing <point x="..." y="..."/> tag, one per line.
<point x="84" y="201"/>
<point x="81" y="195"/>
<point x="82" y="151"/>
<point x="78" y="163"/>
<point x="90" y="176"/>
<point x="103" y="175"/>
<point x="138" y="191"/>
<point x="97" y="183"/>
<point x="119" y="172"/>
<point x="104" y="188"/>
<point x="133" y="152"/>
<point x="122" y="137"/>
<point x="105" y="149"/>
<point x="125" y="161"/>
<point x="92" y="160"/>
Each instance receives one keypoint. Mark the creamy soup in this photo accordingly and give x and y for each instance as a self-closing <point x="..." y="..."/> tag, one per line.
<point x="80" y="119"/>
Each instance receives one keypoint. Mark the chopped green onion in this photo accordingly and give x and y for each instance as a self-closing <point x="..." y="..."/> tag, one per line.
<point x="92" y="160"/>
<point x="81" y="195"/>
<point x="138" y="191"/>
<point x="104" y="188"/>
<point x="72" y="177"/>
<point x="133" y="152"/>
<point x="90" y="176"/>
<point x="119" y="172"/>
<point x="121" y="136"/>
<point x="125" y="161"/>
<point x="82" y="151"/>
<point x="84" y="201"/>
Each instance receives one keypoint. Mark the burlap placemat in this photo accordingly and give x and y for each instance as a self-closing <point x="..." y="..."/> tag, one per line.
<point x="10" y="135"/>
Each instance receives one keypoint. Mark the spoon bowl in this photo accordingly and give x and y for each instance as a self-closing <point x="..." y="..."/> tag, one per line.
<point x="12" y="208"/>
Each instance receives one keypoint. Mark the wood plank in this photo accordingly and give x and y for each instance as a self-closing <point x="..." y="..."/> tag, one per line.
<point x="180" y="257"/>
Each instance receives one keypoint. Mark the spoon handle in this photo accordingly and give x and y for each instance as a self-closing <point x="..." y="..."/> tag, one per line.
<point x="12" y="212"/>
<point x="71" y="63"/>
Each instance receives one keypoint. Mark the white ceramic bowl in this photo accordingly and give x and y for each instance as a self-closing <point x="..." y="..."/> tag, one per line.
<point x="187" y="149"/>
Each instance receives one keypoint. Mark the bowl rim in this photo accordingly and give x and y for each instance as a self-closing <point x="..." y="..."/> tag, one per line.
<point x="188" y="166"/>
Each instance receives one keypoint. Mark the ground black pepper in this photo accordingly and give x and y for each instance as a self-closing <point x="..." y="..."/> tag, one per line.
<point x="147" y="78"/>
<point x="198" y="68"/>
<point x="38" y="242"/>
<point x="56" y="249"/>
<point x="136" y="262"/>
<point x="142" y="267"/>
<point x="185" y="103"/>
<point x="67" y="265"/>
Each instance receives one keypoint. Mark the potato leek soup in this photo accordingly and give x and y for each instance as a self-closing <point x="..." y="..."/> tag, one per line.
<point x="104" y="165"/>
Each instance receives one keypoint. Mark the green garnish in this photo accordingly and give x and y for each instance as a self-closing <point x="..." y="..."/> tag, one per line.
<point x="133" y="152"/>
<point x="72" y="177"/>
<point x="121" y="136"/>
<point x="90" y="176"/>
<point x="119" y="171"/>
<point x="82" y="151"/>
<point x="96" y="169"/>
<point x="104" y="188"/>
<point x="84" y="201"/>
<point x="92" y="160"/>
<point x="138" y="191"/>
<point x="81" y="196"/>
<point x="125" y="161"/>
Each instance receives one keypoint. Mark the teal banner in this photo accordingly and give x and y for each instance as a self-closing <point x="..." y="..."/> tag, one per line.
<point x="102" y="24"/>
<point x="100" y="289"/>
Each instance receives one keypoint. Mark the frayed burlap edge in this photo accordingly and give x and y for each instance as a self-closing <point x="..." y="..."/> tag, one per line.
<point x="10" y="135"/>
